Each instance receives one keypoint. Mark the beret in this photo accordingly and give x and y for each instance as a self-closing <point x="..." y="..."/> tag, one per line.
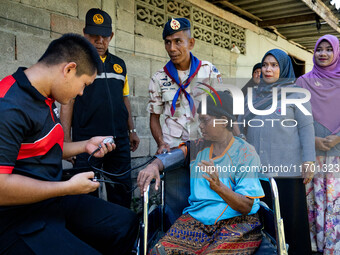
<point x="175" y="25"/>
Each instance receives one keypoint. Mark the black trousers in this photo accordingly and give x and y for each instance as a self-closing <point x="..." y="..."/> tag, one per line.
<point x="117" y="161"/>
<point x="69" y="225"/>
<point x="293" y="207"/>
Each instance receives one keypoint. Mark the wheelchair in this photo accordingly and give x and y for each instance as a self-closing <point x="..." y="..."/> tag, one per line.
<point x="175" y="190"/>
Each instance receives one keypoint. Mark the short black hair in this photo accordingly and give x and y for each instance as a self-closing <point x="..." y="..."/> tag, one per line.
<point x="73" y="48"/>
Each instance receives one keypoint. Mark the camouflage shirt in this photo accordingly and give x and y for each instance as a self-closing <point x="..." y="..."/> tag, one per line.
<point x="182" y="126"/>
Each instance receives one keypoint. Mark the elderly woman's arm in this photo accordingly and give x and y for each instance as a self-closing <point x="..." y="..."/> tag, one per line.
<point x="236" y="201"/>
<point x="149" y="173"/>
<point x="167" y="160"/>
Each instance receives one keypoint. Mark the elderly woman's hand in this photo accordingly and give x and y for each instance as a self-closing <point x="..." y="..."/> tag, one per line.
<point x="211" y="174"/>
<point x="236" y="201"/>
<point x="149" y="173"/>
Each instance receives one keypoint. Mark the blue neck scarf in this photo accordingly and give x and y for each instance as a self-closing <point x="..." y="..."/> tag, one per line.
<point x="171" y="71"/>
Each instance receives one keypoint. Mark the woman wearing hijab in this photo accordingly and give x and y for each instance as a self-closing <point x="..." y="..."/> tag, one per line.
<point x="255" y="79"/>
<point x="285" y="144"/>
<point x="323" y="192"/>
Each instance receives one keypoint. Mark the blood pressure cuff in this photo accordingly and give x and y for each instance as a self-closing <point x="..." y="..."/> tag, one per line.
<point x="172" y="159"/>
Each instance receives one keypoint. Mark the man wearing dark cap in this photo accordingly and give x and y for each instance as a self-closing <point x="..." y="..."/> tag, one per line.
<point x="176" y="89"/>
<point x="104" y="108"/>
<point x="255" y="80"/>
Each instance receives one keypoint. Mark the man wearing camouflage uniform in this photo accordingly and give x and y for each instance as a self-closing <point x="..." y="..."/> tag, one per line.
<point x="176" y="90"/>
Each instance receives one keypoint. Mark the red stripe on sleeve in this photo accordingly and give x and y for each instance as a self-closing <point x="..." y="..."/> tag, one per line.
<point x="6" y="169"/>
<point x="5" y="85"/>
<point x="42" y="146"/>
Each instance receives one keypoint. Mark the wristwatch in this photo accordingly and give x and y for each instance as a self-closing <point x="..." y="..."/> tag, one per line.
<point x="132" y="131"/>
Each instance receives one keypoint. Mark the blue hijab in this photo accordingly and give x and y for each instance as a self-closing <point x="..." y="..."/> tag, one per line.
<point x="263" y="94"/>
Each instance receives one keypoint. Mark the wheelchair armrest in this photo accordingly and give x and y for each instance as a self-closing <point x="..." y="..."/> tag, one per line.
<point x="267" y="220"/>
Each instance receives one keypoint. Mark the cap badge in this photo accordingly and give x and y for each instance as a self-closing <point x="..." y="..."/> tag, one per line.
<point x="98" y="19"/>
<point x="174" y="24"/>
<point x="117" y="68"/>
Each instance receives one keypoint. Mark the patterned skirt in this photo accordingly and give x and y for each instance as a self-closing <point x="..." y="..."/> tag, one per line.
<point x="238" y="235"/>
<point x="323" y="201"/>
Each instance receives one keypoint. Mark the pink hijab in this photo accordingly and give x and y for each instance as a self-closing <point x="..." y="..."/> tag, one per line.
<point x="324" y="86"/>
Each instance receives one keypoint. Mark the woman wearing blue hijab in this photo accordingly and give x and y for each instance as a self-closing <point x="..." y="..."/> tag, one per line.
<point x="285" y="144"/>
<point x="280" y="73"/>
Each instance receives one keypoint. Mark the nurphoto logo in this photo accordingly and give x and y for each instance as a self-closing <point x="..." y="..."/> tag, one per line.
<point x="239" y="106"/>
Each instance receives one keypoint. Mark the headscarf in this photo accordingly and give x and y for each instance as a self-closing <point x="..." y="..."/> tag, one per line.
<point x="263" y="95"/>
<point x="256" y="66"/>
<point x="324" y="85"/>
<point x="251" y="83"/>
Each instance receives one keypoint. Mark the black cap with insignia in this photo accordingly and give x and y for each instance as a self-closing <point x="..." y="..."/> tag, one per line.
<point x="175" y="25"/>
<point x="98" y="22"/>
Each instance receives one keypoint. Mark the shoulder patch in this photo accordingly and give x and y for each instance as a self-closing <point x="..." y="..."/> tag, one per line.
<point x="214" y="69"/>
<point x="117" y="68"/>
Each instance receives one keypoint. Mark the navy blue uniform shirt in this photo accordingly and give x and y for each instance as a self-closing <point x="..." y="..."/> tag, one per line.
<point x="101" y="109"/>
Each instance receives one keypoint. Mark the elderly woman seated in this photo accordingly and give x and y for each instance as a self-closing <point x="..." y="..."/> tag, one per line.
<point x="224" y="189"/>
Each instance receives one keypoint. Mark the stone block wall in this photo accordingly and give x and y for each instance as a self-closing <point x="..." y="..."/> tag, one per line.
<point x="28" y="26"/>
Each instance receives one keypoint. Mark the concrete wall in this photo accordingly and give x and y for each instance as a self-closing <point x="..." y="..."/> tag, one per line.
<point x="27" y="26"/>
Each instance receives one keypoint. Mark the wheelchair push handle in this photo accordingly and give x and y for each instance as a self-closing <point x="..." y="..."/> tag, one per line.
<point x="279" y="228"/>
<point x="145" y="220"/>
